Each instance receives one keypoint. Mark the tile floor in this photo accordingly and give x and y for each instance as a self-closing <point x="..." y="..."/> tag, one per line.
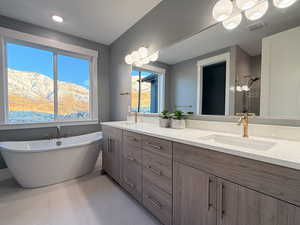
<point x="90" y="200"/>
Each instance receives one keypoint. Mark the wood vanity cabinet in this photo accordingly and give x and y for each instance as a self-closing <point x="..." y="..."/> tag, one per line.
<point x="112" y="147"/>
<point x="187" y="185"/>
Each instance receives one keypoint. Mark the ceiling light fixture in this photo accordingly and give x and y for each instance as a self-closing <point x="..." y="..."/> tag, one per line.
<point x="57" y="19"/>
<point x="233" y="22"/>
<point x="283" y="3"/>
<point x="141" y="57"/>
<point x="222" y="10"/>
<point x="257" y="11"/>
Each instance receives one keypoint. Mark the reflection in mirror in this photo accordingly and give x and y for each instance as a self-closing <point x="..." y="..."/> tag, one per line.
<point x="147" y="89"/>
<point x="254" y="68"/>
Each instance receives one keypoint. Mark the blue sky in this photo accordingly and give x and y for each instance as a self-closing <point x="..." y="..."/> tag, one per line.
<point x="70" y="69"/>
<point x="136" y="73"/>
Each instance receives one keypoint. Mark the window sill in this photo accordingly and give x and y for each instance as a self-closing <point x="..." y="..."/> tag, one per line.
<point x="50" y="124"/>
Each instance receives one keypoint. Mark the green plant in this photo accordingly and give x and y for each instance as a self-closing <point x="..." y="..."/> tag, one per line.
<point x="165" y="114"/>
<point x="178" y="115"/>
<point x="190" y="113"/>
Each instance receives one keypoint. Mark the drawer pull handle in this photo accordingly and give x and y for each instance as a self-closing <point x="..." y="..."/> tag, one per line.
<point x="133" y="138"/>
<point x="130" y="158"/>
<point x="154" y="202"/>
<point x="155" y="171"/>
<point x="209" y="204"/>
<point x="222" y="200"/>
<point x="153" y="146"/>
<point x="131" y="185"/>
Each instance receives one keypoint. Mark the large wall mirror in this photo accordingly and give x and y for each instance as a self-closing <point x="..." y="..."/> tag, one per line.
<point x="254" y="68"/>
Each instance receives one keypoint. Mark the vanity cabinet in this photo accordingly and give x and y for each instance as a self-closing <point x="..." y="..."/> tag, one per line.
<point x="187" y="185"/>
<point x="112" y="147"/>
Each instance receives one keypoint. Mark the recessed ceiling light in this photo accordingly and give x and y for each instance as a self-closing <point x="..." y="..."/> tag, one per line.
<point x="57" y="19"/>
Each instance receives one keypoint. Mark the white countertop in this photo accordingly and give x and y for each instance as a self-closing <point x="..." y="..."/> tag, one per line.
<point x="283" y="152"/>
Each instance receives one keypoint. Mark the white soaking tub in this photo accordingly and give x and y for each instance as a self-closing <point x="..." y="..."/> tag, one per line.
<point x="44" y="162"/>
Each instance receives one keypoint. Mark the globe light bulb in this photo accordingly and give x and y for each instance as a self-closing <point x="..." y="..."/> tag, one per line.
<point x="222" y="10"/>
<point x="154" y="56"/>
<point x="135" y="55"/>
<point x="145" y="60"/>
<point x="246" y="4"/>
<point x="257" y="11"/>
<point x="128" y="59"/>
<point x="283" y="3"/>
<point x="232" y="22"/>
<point x="143" y="52"/>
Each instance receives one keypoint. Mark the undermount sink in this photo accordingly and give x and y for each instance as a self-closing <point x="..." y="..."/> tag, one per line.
<point x="240" y="142"/>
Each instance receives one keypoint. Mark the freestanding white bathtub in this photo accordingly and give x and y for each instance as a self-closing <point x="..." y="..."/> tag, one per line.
<point x="45" y="162"/>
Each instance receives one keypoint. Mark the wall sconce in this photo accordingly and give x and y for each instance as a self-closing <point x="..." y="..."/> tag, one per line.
<point x="141" y="57"/>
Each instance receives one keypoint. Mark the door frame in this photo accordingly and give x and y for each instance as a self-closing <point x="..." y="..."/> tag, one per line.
<point x="207" y="62"/>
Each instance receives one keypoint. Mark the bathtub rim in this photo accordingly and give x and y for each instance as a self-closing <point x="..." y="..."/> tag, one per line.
<point x="55" y="148"/>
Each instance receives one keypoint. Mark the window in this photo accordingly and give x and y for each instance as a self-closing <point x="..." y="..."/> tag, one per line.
<point x="43" y="84"/>
<point x="147" y="91"/>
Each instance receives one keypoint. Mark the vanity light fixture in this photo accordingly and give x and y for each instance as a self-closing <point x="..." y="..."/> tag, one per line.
<point x="232" y="22"/>
<point x="246" y="4"/>
<point x="57" y="19"/>
<point x="257" y="11"/>
<point x="141" y="57"/>
<point x="254" y="9"/>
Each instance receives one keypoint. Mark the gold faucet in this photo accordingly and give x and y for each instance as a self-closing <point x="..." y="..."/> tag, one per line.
<point x="244" y="119"/>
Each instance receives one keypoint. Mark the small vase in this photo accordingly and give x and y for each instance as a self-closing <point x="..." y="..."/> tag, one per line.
<point x="164" y="122"/>
<point x="178" y="124"/>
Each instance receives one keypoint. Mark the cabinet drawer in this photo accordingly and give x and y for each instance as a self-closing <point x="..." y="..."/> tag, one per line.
<point x="132" y="153"/>
<point x="133" y="139"/>
<point x="158" y="170"/>
<point x="132" y="177"/>
<point x="158" y="202"/>
<point x="157" y="145"/>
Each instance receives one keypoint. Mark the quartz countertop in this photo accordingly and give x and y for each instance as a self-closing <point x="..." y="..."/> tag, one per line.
<point x="283" y="152"/>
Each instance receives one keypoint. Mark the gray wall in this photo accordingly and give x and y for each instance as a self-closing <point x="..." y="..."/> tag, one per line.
<point x="166" y="24"/>
<point x="103" y="81"/>
<point x="183" y="87"/>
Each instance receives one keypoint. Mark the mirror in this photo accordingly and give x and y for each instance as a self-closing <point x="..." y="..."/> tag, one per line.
<point x="254" y="68"/>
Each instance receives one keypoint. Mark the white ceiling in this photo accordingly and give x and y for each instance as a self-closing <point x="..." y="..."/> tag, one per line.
<point x="217" y="37"/>
<point x="102" y="21"/>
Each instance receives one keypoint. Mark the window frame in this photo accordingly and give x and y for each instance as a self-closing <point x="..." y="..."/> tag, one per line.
<point x="57" y="48"/>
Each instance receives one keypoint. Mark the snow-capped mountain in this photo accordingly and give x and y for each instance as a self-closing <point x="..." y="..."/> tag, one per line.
<point x="30" y="91"/>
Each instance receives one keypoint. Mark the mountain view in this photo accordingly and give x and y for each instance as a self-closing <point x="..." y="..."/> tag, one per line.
<point x="145" y="95"/>
<point x="31" y="98"/>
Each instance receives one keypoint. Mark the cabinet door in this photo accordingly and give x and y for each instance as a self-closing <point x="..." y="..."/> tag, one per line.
<point x="106" y="155"/>
<point x="238" y="205"/>
<point x="112" y="147"/>
<point x="194" y="196"/>
<point x="115" y="150"/>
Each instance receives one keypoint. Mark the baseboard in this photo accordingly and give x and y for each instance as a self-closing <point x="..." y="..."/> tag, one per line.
<point x="5" y="174"/>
